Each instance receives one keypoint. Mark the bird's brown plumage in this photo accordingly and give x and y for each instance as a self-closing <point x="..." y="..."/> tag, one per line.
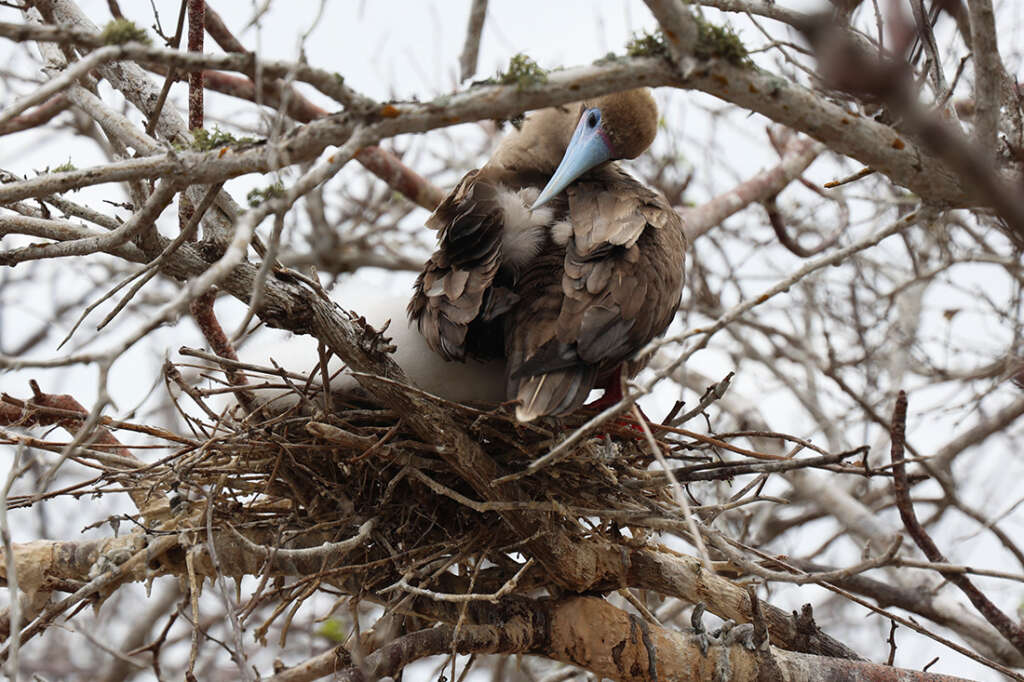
<point x="566" y="292"/>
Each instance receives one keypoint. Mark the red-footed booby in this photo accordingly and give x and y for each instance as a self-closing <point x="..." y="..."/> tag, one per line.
<point x="555" y="258"/>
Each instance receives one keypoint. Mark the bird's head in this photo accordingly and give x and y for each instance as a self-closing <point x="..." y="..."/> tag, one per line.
<point x="617" y="126"/>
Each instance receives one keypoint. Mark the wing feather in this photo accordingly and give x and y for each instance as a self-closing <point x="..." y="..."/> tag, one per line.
<point x="449" y="294"/>
<point x="621" y="278"/>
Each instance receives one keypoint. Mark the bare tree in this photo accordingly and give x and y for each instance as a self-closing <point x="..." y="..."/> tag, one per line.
<point x="834" y="486"/>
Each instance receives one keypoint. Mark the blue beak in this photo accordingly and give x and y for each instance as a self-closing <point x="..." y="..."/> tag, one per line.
<point x="588" y="147"/>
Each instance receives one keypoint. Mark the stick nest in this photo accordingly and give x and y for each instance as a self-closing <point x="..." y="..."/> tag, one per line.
<point x="309" y="476"/>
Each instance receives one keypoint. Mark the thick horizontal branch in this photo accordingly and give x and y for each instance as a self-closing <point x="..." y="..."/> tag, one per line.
<point x="51" y="562"/>
<point x="591" y="633"/>
<point x="870" y="142"/>
<point x="584" y="631"/>
<point x="874" y="144"/>
<point x="389" y="120"/>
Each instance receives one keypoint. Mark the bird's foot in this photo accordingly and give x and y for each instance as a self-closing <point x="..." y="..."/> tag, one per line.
<point x="626" y="420"/>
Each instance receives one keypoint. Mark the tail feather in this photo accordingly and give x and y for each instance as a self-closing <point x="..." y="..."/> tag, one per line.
<point x="554" y="393"/>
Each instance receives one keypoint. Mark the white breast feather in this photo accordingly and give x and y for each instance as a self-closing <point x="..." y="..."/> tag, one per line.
<point x="524" y="229"/>
<point x="459" y="381"/>
<point x="561" y="231"/>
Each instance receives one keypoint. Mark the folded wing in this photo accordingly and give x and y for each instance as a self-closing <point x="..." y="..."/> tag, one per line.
<point x="618" y="287"/>
<point x="455" y="301"/>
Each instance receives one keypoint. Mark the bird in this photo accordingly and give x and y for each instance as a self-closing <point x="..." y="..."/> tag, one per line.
<point x="554" y="258"/>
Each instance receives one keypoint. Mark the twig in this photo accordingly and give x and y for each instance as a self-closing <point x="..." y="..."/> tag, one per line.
<point x="641" y="608"/>
<point x="269" y="263"/>
<point x="791" y="244"/>
<point x="797" y="156"/>
<point x="927" y="38"/>
<point x="717" y="471"/>
<point x="892" y="643"/>
<point x="471" y="48"/>
<point x="859" y="175"/>
<point x="196" y="31"/>
<point x="714" y="392"/>
<point x="206" y="319"/>
<point x="739" y="310"/>
<point x="505" y="589"/>
<point x="171" y="73"/>
<point x="725" y="544"/>
<point x="14" y="610"/>
<point x="1006" y="627"/>
<point x="141" y="220"/>
<point x="911" y="624"/>
<point x="43" y="113"/>
<point x="59" y="83"/>
<point x="153" y="267"/>
<point x="279" y="556"/>
<point x="677" y="490"/>
<point x="230" y="607"/>
<point x="193" y="600"/>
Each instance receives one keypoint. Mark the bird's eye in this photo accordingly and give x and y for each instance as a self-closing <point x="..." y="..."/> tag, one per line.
<point x="592" y="118"/>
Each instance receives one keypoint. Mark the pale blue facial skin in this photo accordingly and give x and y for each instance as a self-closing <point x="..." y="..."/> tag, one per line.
<point x="588" y="147"/>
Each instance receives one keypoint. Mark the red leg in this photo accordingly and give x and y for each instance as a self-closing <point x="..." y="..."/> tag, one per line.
<point x="612" y="385"/>
<point x="612" y="392"/>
